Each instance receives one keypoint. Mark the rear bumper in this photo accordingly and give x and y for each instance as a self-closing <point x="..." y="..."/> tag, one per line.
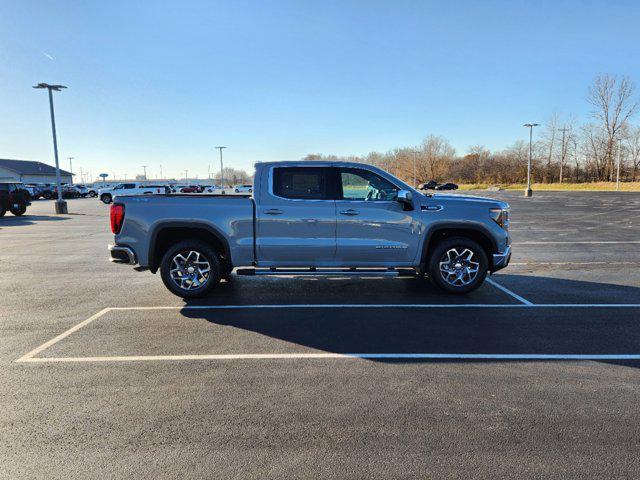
<point x="501" y="260"/>
<point x="122" y="254"/>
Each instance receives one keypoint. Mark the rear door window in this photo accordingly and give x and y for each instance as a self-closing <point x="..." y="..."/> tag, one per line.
<point x="301" y="183"/>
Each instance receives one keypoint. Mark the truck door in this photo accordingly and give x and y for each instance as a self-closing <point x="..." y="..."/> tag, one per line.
<point x="296" y="218"/>
<point x="372" y="228"/>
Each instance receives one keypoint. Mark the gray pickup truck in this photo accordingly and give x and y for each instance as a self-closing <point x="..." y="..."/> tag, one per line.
<point x="313" y="218"/>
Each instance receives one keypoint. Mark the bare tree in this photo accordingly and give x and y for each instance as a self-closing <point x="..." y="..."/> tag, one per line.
<point x="548" y="141"/>
<point x="633" y="151"/>
<point x="614" y="104"/>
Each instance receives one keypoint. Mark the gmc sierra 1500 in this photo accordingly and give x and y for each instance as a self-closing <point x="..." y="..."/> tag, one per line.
<point x="313" y="218"/>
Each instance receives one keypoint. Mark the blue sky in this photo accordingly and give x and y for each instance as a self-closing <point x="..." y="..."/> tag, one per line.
<point x="155" y="83"/>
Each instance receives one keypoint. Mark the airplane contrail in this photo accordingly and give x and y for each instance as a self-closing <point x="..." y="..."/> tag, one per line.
<point x="48" y="56"/>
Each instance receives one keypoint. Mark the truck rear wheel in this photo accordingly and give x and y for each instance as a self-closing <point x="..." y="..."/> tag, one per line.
<point x="457" y="265"/>
<point x="106" y="198"/>
<point x="190" y="269"/>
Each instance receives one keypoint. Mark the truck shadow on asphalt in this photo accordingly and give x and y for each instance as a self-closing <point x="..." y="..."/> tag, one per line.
<point x="456" y="330"/>
<point x="12" y="221"/>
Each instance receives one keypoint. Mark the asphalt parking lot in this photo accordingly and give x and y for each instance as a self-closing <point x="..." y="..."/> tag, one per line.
<point x="105" y="374"/>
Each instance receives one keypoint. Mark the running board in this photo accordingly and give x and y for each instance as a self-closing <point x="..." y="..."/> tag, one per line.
<point x="340" y="272"/>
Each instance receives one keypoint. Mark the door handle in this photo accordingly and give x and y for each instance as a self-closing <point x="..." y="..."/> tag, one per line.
<point x="351" y="212"/>
<point x="273" y="211"/>
<point x="432" y="208"/>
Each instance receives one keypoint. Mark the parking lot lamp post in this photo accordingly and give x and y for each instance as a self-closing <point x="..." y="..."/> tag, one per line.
<point x="415" y="182"/>
<point x="528" y="192"/>
<point x="71" y="167"/>
<point x="618" y="166"/>
<point x="221" y="168"/>
<point x="61" y="205"/>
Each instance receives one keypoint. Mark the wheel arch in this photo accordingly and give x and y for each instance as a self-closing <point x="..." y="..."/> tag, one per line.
<point x="166" y="234"/>
<point x="477" y="232"/>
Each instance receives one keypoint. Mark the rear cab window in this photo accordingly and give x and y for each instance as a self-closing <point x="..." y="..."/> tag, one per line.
<point x="300" y="183"/>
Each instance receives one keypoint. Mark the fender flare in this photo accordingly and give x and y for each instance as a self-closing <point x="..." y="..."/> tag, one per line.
<point x="159" y="227"/>
<point x="458" y="225"/>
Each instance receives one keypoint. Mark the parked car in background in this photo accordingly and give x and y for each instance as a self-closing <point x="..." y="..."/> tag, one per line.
<point x="313" y="218"/>
<point x="14" y="198"/>
<point x="192" y="189"/>
<point x="68" y="191"/>
<point x="430" y="185"/>
<point x="245" y="188"/>
<point x="45" y="190"/>
<point x="82" y="189"/>
<point x="217" y="190"/>
<point x="433" y="185"/>
<point x="92" y="190"/>
<point x="134" y="188"/>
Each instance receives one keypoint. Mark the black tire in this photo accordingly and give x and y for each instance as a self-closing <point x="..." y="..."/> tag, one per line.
<point x="21" y="210"/>
<point x="2" y="212"/>
<point x="106" y="198"/>
<point x="206" y="253"/>
<point x="47" y="195"/>
<point x="92" y="194"/>
<point x="459" y="244"/>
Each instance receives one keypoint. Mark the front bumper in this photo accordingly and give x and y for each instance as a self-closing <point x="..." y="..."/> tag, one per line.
<point x="501" y="260"/>
<point x="122" y="254"/>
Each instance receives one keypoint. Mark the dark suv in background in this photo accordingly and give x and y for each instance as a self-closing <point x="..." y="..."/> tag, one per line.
<point x="13" y="197"/>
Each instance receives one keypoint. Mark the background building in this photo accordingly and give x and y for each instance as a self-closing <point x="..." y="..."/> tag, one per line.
<point x="28" y="171"/>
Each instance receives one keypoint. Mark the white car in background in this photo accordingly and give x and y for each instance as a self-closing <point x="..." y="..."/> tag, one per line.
<point x="133" y="188"/>
<point x="218" y="190"/>
<point x="245" y="188"/>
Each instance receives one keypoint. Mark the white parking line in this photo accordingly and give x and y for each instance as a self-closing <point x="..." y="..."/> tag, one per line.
<point x="31" y="356"/>
<point x="562" y="242"/>
<point x="509" y="292"/>
<point x="390" y="356"/>
<point x="63" y="335"/>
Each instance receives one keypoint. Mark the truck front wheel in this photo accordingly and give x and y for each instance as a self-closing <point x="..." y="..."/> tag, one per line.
<point x="20" y="210"/>
<point x="190" y="269"/>
<point x="457" y="265"/>
<point x="106" y="198"/>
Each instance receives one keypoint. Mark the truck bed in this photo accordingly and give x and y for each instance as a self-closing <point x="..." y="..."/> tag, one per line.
<point x="232" y="216"/>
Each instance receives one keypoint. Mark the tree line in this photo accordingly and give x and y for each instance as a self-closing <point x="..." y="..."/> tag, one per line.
<point x="563" y="150"/>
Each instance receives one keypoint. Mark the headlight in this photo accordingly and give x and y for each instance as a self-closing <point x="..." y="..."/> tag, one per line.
<point x="500" y="216"/>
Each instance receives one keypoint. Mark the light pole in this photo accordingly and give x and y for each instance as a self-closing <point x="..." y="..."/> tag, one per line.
<point x="144" y="168"/>
<point x="618" y="167"/>
<point x="563" y="152"/>
<point x="221" y="168"/>
<point x="61" y="205"/>
<point x="71" y="167"/>
<point x="415" y="182"/>
<point x="161" y="171"/>
<point x="528" y="192"/>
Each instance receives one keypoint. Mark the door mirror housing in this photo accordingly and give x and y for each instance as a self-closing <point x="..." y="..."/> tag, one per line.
<point x="405" y="197"/>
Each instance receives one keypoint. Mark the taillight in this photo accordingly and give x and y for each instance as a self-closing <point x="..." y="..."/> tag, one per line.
<point x="117" y="217"/>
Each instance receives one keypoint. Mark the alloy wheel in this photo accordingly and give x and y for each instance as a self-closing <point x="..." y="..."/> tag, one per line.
<point x="459" y="266"/>
<point x="190" y="270"/>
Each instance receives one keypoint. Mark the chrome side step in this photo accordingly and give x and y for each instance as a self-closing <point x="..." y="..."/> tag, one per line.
<point x="334" y="272"/>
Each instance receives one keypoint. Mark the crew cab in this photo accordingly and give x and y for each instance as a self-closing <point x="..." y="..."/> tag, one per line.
<point x="313" y="218"/>
<point x="133" y="188"/>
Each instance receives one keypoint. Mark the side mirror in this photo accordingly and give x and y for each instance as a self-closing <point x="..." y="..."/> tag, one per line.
<point x="405" y="198"/>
